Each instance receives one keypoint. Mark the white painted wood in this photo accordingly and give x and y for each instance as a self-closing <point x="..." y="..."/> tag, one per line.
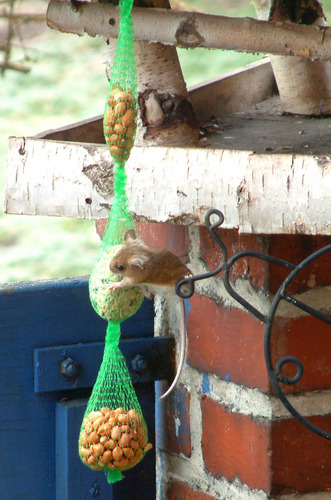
<point x="194" y="29"/>
<point x="257" y="193"/>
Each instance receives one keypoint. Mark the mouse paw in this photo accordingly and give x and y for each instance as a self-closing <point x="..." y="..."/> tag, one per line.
<point x="115" y="285"/>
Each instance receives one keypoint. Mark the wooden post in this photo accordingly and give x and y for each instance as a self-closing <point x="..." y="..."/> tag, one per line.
<point x="166" y="115"/>
<point x="304" y="85"/>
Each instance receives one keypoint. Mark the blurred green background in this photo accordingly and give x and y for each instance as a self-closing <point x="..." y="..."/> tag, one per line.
<point x="67" y="83"/>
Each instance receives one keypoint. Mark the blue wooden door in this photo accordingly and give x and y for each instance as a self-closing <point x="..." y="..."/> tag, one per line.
<point x="51" y="345"/>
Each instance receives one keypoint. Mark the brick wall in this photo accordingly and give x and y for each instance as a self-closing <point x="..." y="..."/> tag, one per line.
<point x="223" y="434"/>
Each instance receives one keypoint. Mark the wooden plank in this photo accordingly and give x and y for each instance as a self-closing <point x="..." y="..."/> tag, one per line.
<point x="234" y="91"/>
<point x="279" y="193"/>
<point x="157" y="352"/>
<point x="90" y="131"/>
<point x="228" y="93"/>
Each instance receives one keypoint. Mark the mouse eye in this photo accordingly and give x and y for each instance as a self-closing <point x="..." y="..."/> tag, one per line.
<point x="119" y="267"/>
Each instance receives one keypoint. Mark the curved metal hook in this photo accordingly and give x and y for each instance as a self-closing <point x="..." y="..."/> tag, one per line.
<point x="274" y="374"/>
<point x="212" y="227"/>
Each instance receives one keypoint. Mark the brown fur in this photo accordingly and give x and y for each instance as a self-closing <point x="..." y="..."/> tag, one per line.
<point x="144" y="264"/>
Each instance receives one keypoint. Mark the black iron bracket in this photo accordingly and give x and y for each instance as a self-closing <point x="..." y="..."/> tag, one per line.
<point x="225" y="265"/>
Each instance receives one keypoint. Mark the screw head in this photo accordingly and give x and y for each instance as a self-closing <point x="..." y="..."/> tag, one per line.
<point x="69" y="368"/>
<point x="139" y="363"/>
<point x="95" y="490"/>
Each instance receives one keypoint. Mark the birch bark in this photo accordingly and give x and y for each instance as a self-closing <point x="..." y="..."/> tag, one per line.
<point x="166" y="116"/>
<point x="304" y="85"/>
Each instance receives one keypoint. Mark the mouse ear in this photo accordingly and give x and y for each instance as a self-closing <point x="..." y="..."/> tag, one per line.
<point x="138" y="261"/>
<point x="130" y="236"/>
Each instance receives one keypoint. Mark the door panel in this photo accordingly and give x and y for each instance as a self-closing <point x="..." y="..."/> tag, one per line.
<point x="75" y="481"/>
<point x="35" y="427"/>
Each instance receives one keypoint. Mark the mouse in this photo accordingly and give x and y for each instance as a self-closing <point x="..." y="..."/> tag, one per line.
<point x="155" y="271"/>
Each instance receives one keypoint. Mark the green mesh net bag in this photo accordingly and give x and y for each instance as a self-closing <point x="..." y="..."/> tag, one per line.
<point x="113" y="435"/>
<point x="119" y="124"/>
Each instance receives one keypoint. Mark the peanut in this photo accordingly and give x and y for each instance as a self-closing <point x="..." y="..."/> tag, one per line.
<point x="88" y="427"/>
<point x="125" y="428"/>
<point x="134" y="444"/>
<point x="108" y="429"/>
<point x="117" y="453"/>
<point x="106" y="457"/>
<point x="119" y="129"/>
<point x="111" y="466"/>
<point x="97" y="450"/>
<point x="110" y="117"/>
<point x="110" y="444"/>
<point x="97" y="423"/>
<point x="120" y="108"/>
<point x="134" y="434"/>
<point x="134" y="415"/>
<point x="112" y="421"/>
<point x="83" y="438"/>
<point x="114" y="139"/>
<point x="127" y="97"/>
<point x="128" y="452"/>
<point x="124" y="440"/>
<point x="128" y="117"/>
<point x="92" y="460"/>
<point x="123" y="418"/>
<point x="115" y="151"/>
<point x="121" y="464"/>
<point x="116" y="439"/>
<point x="85" y="452"/>
<point x="93" y="438"/>
<point x="116" y="433"/>
<point x="102" y="429"/>
<point x="119" y="410"/>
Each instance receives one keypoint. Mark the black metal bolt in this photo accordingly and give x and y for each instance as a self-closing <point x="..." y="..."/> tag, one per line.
<point x="95" y="490"/>
<point x="69" y="368"/>
<point x="139" y="363"/>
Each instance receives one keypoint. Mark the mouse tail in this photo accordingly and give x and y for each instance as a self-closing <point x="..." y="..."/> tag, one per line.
<point x="183" y="349"/>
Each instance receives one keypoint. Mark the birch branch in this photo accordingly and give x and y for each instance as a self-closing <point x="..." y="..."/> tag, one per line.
<point x="192" y="29"/>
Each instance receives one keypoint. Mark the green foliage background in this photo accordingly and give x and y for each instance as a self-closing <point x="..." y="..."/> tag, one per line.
<point x="67" y="83"/>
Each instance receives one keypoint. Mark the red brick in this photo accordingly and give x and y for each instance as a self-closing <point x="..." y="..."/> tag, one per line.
<point x="250" y="268"/>
<point x="280" y="457"/>
<point x="226" y="342"/>
<point x="234" y="445"/>
<point x="174" y="434"/>
<point x="173" y="237"/>
<point x="292" y="248"/>
<point x="309" y="339"/>
<point x="182" y="491"/>
<point x="301" y="460"/>
<point x="100" y="225"/>
<point x="296" y="248"/>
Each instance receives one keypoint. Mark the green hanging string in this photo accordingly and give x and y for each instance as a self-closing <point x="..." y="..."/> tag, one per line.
<point x="113" y="434"/>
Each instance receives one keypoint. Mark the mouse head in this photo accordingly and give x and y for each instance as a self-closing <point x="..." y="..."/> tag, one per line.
<point x="130" y="260"/>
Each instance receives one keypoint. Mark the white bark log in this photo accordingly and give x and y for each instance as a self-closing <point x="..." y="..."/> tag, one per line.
<point x="166" y="117"/>
<point x="160" y="80"/>
<point x="257" y="193"/>
<point x="304" y="85"/>
<point x="191" y="29"/>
